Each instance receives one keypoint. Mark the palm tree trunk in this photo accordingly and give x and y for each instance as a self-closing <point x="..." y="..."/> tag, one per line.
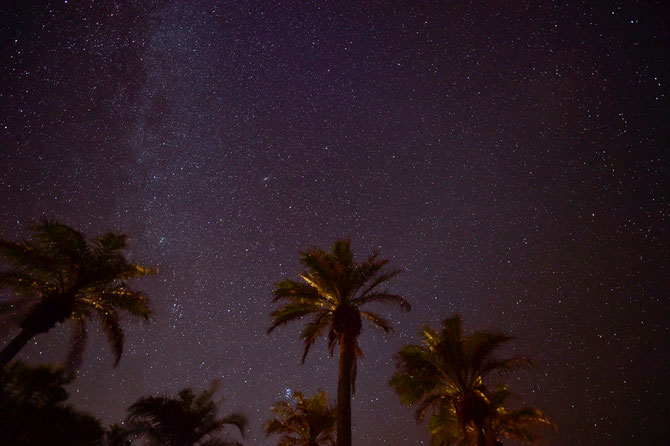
<point x="8" y="353"/>
<point x="490" y="437"/>
<point x="485" y="437"/>
<point x="347" y="352"/>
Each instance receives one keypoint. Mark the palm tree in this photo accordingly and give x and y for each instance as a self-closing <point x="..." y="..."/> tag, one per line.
<point x="447" y="373"/>
<point x="332" y="291"/>
<point x="310" y="423"/>
<point x="188" y="420"/>
<point x="59" y="276"/>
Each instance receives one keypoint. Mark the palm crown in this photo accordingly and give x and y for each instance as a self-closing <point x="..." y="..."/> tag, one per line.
<point x="447" y="373"/>
<point x="310" y="423"/>
<point x="332" y="291"/>
<point x="59" y="276"/>
<point x="186" y="420"/>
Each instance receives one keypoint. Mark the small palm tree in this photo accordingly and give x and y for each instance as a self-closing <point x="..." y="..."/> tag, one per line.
<point x="188" y="420"/>
<point x="59" y="276"/>
<point x="310" y="423"/>
<point x="447" y="374"/>
<point x="332" y="292"/>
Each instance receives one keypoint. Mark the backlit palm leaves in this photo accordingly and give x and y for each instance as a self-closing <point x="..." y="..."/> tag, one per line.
<point x="310" y="423"/>
<point x="521" y="425"/>
<point x="332" y="291"/>
<point x="446" y="375"/>
<point x="189" y="419"/>
<point x="59" y="276"/>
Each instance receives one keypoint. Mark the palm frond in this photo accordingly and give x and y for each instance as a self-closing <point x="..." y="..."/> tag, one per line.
<point x="110" y="242"/>
<point x="358" y="353"/>
<point x="435" y="401"/>
<point x="480" y="345"/>
<point x="380" y="278"/>
<point x="314" y="330"/>
<point x="77" y="343"/>
<point x="24" y="284"/>
<point x="342" y="253"/>
<point x="111" y="325"/>
<point x="275" y="426"/>
<point x="384" y="298"/>
<point x="502" y="366"/>
<point x="378" y="321"/>
<point x="413" y="388"/>
<point x="320" y="271"/>
<point x="121" y="296"/>
<point x="290" y="312"/>
<point x="292" y="290"/>
<point x="60" y="240"/>
<point x="518" y="424"/>
<point x="29" y="258"/>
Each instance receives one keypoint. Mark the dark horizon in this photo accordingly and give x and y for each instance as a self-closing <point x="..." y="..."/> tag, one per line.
<point x="509" y="158"/>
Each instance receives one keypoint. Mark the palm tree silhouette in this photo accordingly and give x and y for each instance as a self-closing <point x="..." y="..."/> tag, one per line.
<point x="59" y="276"/>
<point x="189" y="419"/>
<point x="310" y="423"/>
<point x="446" y="374"/>
<point x="35" y="409"/>
<point x="332" y="291"/>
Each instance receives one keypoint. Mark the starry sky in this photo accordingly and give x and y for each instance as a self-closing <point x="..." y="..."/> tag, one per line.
<point x="509" y="157"/>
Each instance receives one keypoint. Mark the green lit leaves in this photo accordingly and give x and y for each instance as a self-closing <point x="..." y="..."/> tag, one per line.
<point x="65" y="277"/>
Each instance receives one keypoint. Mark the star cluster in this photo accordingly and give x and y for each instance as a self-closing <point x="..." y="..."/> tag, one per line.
<point x="509" y="157"/>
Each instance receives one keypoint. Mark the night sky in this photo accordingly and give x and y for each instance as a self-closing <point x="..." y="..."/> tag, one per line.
<point x="509" y="157"/>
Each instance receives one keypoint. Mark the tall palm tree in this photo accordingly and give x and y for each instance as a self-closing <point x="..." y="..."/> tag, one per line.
<point x="310" y="423"/>
<point x="332" y="291"/>
<point x="189" y="419"/>
<point x="447" y="374"/>
<point x="59" y="276"/>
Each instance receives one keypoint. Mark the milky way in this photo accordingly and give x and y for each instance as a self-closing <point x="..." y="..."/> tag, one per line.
<point x="509" y="158"/>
